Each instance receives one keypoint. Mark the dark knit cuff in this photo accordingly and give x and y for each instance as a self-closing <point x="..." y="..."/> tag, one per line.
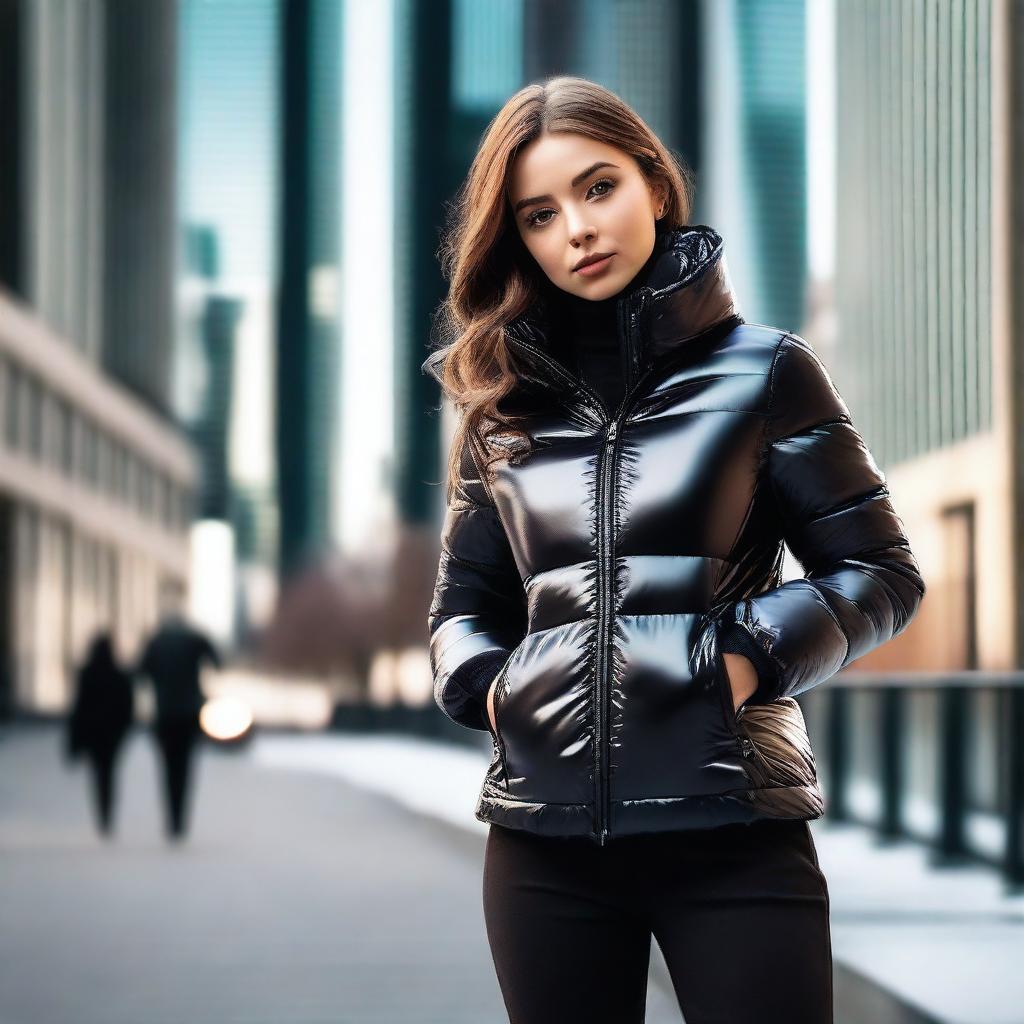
<point x="476" y="677"/>
<point x="735" y="639"/>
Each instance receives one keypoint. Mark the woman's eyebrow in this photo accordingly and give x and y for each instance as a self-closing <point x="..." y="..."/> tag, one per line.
<point x="575" y="181"/>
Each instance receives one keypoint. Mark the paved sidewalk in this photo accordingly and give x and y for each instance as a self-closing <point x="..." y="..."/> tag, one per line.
<point x="941" y="945"/>
<point x="300" y="897"/>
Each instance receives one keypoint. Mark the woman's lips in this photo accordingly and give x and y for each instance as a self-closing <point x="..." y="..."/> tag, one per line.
<point x="596" y="268"/>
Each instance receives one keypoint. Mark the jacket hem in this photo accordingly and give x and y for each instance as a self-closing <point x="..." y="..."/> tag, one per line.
<point x="655" y="814"/>
<point x="538" y="818"/>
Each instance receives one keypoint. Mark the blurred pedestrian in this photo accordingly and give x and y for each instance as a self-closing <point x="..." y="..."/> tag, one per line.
<point x="101" y="716"/>
<point x="173" y="659"/>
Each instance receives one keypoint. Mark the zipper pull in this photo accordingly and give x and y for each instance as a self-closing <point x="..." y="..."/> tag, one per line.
<point x="610" y="437"/>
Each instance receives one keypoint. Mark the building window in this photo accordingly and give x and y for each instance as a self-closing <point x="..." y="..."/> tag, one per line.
<point x="103" y="460"/>
<point x="116" y="469"/>
<point x="164" y="499"/>
<point x="5" y="368"/>
<point x="34" y="416"/>
<point x="63" y="439"/>
<point x="88" y="452"/>
<point x="145" y="496"/>
<point x="12" y="404"/>
<point x="130" y="473"/>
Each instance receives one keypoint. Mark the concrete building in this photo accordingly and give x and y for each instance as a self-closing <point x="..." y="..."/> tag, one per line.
<point x="308" y="326"/>
<point x="924" y="350"/>
<point x="96" y="481"/>
<point x="96" y="496"/>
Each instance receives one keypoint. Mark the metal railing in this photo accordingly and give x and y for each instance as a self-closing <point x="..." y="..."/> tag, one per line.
<point x="975" y="753"/>
<point x="866" y="733"/>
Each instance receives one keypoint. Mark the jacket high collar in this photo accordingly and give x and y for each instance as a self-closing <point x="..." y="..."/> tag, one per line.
<point x="685" y="292"/>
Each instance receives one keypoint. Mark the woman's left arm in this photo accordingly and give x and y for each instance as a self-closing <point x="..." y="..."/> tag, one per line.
<point x="862" y="584"/>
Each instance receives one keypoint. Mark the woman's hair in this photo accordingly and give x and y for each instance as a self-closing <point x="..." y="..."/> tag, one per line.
<point x="493" y="276"/>
<point x="101" y="650"/>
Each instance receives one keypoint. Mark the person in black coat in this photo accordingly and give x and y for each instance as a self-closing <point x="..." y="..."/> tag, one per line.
<point x="632" y="458"/>
<point x="100" y="718"/>
<point x="173" y="659"/>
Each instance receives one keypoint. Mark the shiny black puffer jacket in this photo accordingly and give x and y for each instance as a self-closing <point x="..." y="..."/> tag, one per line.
<point x="600" y="578"/>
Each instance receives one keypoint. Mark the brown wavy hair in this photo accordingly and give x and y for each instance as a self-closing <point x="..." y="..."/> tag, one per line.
<point x="493" y="276"/>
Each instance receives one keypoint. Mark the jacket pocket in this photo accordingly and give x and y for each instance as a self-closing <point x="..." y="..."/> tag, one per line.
<point x="729" y="716"/>
<point x="495" y="730"/>
<point x="780" y="761"/>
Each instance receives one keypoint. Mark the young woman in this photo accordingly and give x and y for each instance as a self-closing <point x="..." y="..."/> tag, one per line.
<point x="100" y="720"/>
<point x="630" y="460"/>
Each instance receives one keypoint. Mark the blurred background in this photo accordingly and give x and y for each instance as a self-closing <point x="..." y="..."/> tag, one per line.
<point x="218" y="227"/>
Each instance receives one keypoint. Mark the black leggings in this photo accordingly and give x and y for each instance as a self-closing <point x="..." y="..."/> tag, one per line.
<point x="740" y="912"/>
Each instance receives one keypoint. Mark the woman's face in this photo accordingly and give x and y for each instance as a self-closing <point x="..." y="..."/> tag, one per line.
<point x="574" y="197"/>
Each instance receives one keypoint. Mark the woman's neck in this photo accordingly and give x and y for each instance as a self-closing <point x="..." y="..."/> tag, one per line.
<point x="585" y="337"/>
<point x="582" y="321"/>
<point x="582" y="316"/>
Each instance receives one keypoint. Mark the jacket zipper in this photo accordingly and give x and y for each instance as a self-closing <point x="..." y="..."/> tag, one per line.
<point x="606" y="562"/>
<point x="606" y="539"/>
<point x="606" y="597"/>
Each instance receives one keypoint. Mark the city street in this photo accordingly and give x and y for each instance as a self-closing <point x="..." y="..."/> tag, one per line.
<point x="297" y="899"/>
<point x="574" y="419"/>
<point x="337" y="877"/>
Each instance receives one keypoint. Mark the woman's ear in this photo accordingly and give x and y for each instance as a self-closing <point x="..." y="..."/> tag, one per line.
<point x="660" y="193"/>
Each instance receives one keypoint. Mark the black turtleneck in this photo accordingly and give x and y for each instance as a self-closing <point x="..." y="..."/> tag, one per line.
<point x="587" y="340"/>
<point x="585" y="337"/>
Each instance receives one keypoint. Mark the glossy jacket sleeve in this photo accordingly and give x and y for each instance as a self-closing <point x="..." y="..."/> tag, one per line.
<point x="862" y="584"/>
<point x="478" y="612"/>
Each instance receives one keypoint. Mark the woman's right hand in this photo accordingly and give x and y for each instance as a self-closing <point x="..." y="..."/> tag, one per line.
<point x="490" y="705"/>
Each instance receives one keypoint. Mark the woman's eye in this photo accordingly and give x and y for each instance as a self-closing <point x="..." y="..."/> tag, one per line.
<point x="533" y="220"/>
